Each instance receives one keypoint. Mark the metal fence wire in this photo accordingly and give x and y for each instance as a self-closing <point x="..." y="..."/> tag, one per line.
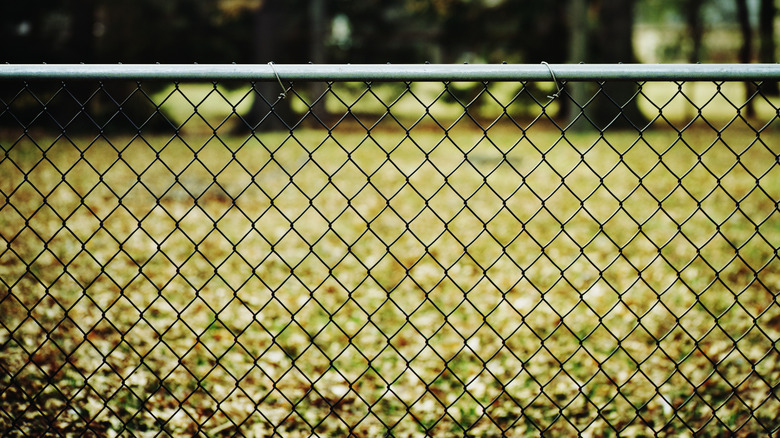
<point x="398" y="250"/>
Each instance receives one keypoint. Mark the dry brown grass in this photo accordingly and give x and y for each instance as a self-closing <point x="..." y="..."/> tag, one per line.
<point x="392" y="284"/>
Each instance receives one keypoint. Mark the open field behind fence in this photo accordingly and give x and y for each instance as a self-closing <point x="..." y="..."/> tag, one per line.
<point x="453" y="278"/>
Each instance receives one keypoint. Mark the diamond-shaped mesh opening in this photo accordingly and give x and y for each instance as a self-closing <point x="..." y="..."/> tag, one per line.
<point x="400" y="258"/>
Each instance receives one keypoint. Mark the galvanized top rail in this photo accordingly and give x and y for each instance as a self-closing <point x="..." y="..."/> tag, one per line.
<point x="393" y="72"/>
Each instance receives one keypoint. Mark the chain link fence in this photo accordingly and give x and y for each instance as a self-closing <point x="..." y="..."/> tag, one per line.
<point x="398" y="250"/>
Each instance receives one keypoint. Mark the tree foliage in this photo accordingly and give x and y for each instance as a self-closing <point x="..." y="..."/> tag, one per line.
<point x="368" y="31"/>
<point x="376" y="31"/>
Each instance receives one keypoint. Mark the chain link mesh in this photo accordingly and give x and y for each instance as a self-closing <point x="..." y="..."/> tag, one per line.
<point x="389" y="258"/>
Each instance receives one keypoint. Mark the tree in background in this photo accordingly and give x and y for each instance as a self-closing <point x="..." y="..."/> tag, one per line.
<point x="577" y="21"/>
<point x="746" y="49"/>
<point x="743" y="19"/>
<point x="220" y="31"/>
<point x="109" y="31"/>
<point x="369" y="31"/>
<point x="695" y="28"/>
<point x="767" y="49"/>
<point x="268" y="36"/>
<point x="611" y="42"/>
<point x="518" y="31"/>
<point x="766" y="31"/>
<point x="277" y="37"/>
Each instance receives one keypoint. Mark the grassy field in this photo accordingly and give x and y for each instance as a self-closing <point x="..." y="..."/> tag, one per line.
<point x="396" y="282"/>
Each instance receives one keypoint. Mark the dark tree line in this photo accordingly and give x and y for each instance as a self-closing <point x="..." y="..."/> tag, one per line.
<point x="128" y="31"/>
<point x="371" y="31"/>
<point x="219" y="31"/>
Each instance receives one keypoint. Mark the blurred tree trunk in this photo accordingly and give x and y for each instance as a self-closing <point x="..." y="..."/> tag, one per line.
<point x="317" y="21"/>
<point x="616" y="106"/>
<point x="695" y="33"/>
<point x="578" y="25"/>
<point x="317" y="31"/>
<point x="81" y="45"/>
<point x="578" y="52"/>
<point x="745" y="54"/>
<point x="743" y="18"/>
<point x="695" y="29"/>
<point x="614" y="34"/>
<point x="767" y="48"/>
<point x="269" y="111"/>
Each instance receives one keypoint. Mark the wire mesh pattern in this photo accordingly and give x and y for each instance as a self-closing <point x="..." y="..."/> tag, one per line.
<point x="393" y="258"/>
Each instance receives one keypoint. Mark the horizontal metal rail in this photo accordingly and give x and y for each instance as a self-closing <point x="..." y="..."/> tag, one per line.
<point x="393" y="72"/>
